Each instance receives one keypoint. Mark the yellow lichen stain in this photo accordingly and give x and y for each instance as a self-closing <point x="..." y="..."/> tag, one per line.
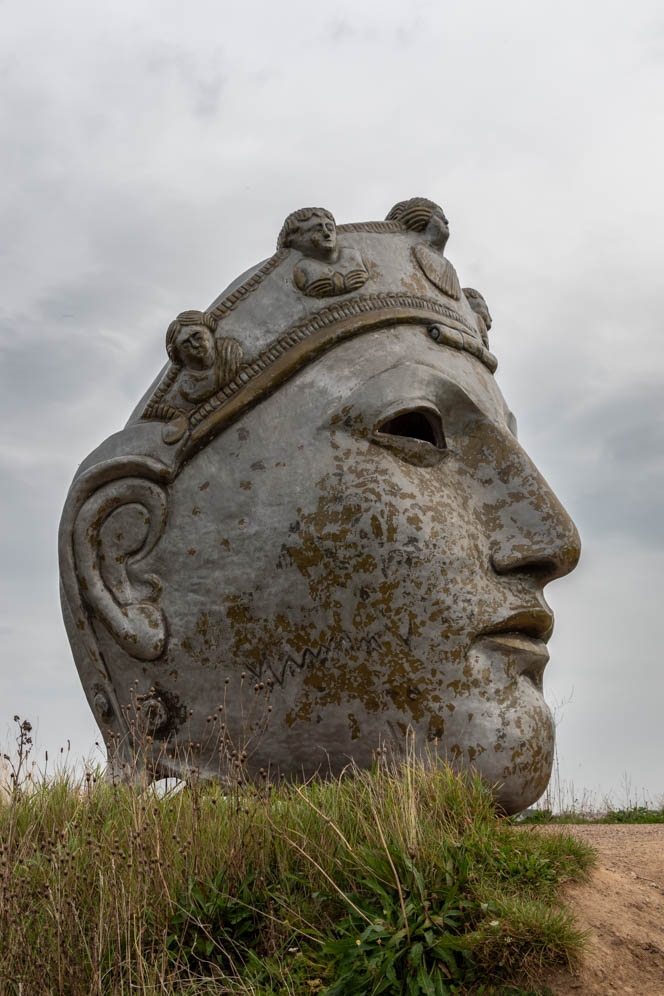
<point x="225" y="543"/>
<point x="191" y="551"/>
<point x="412" y="283"/>
<point x="339" y="417"/>
<point x="246" y="485"/>
<point x="302" y="715"/>
<point x="282" y="622"/>
<point x="196" y="510"/>
<point x="375" y="272"/>
<point x="355" y="510"/>
<point x="204" y="486"/>
<point x="353" y="726"/>
<point x="436" y="728"/>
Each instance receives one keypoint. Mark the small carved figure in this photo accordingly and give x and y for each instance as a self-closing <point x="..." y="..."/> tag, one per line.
<point x="479" y="306"/>
<point x="422" y="215"/>
<point x="326" y="269"/>
<point x="207" y="362"/>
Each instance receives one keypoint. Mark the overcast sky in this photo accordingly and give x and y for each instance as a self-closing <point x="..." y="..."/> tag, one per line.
<point x="151" y="151"/>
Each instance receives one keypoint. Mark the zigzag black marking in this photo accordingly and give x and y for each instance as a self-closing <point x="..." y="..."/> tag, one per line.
<point x="264" y="669"/>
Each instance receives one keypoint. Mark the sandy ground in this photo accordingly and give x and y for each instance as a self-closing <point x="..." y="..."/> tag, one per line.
<point x="622" y="907"/>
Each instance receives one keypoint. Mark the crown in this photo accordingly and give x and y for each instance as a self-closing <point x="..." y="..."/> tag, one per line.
<point x="325" y="283"/>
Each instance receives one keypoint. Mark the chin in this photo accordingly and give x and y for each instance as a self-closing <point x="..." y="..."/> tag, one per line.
<point x="509" y="743"/>
<point x="520" y="770"/>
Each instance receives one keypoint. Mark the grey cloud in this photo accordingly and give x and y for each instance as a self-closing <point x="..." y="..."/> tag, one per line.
<point x="201" y="74"/>
<point x="619" y="482"/>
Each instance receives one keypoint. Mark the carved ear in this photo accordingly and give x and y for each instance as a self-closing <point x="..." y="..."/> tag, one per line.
<point x="115" y="530"/>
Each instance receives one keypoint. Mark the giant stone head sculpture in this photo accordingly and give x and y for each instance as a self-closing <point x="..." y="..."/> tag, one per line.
<point x="322" y="499"/>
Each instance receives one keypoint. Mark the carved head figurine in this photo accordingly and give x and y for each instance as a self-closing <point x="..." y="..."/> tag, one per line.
<point x="481" y="309"/>
<point x="347" y="533"/>
<point x="418" y="214"/>
<point x="311" y="230"/>
<point x="190" y="340"/>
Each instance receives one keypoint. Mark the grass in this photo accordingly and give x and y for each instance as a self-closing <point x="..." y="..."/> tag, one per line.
<point x="399" y="880"/>
<point x="568" y="817"/>
<point x="561" y="805"/>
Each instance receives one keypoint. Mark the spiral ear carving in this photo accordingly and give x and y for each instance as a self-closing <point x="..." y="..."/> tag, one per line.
<point x="115" y="530"/>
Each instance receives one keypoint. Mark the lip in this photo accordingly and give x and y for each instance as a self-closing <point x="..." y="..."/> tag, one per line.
<point x="523" y="635"/>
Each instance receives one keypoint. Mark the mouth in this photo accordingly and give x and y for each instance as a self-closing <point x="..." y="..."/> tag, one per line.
<point x="523" y="637"/>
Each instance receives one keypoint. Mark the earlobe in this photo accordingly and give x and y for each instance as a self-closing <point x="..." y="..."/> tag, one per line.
<point x="115" y="530"/>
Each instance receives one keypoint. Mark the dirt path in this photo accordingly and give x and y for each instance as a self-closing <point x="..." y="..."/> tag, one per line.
<point x="622" y="906"/>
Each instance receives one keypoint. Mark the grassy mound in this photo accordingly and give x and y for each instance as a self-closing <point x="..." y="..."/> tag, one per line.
<point x="399" y="880"/>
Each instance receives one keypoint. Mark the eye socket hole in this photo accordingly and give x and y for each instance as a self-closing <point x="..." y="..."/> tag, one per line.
<point x="425" y="426"/>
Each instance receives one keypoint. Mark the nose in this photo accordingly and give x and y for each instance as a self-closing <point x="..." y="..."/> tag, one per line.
<point x="531" y="531"/>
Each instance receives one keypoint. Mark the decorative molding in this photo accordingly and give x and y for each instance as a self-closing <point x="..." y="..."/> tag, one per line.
<point x="163" y="412"/>
<point x="371" y="226"/>
<point x="244" y="290"/>
<point x="355" y="307"/>
<point x="154" y="407"/>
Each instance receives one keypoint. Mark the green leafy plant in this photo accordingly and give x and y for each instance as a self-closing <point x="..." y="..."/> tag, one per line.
<point x="404" y="936"/>
<point x="211" y="924"/>
<point x="636" y="814"/>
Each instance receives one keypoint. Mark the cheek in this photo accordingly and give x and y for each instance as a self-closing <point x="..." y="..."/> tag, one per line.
<point x="388" y="547"/>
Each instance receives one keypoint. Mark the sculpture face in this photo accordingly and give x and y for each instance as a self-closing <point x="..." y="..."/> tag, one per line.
<point x="479" y="306"/>
<point x="317" y="236"/>
<point x="326" y="507"/>
<point x="361" y="571"/>
<point x="437" y="230"/>
<point x="194" y="347"/>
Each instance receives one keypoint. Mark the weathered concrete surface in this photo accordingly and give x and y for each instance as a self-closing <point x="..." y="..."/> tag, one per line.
<point x="340" y="542"/>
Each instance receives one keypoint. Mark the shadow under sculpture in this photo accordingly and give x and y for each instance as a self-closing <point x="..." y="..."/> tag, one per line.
<point x="323" y="493"/>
